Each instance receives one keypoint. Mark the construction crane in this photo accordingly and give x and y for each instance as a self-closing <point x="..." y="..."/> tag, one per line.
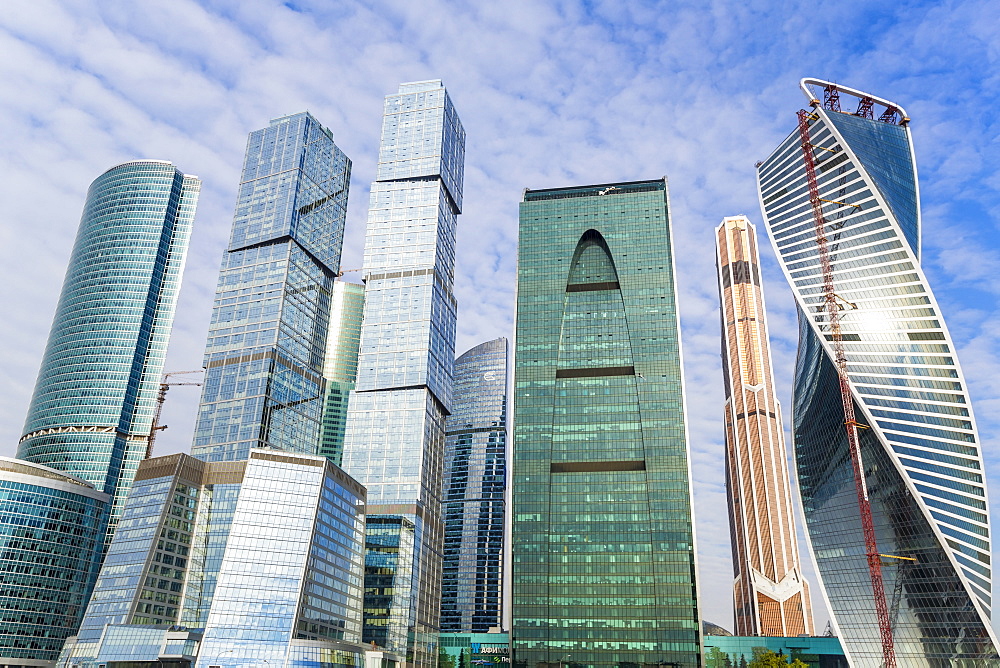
<point x="832" y="309"/>
<point x="347" y="271"/>
<point x="161" y="397"/>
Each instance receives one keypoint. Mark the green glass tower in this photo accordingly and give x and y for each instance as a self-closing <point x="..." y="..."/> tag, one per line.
<point x="603" y="537"/>
<point x="340" y="367"/>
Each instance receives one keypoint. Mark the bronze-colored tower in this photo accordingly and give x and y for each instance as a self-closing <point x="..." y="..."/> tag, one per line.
<point x="771" y="597"/>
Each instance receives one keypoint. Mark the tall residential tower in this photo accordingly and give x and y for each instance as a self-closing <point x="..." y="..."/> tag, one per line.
<point x="870" y="325"/>
<point x="603" y="540"/>
<point x="92" y="410"/>
<point x="264" y="358"/>
<point x="771" y="597"/>
<point x="475" y="482"/>
<point x="394" y="443"/>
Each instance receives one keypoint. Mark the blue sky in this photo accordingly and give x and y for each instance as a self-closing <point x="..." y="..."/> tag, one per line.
<point x="551" y="94"/>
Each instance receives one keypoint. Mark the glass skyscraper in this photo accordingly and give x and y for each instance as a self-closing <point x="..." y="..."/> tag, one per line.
<point x="52" y="535"/>
<point x="394" y="443"/>
<point x="475" y="480"/>
<point x="603" y="537"/>
<point x="92" y="410"/>
<point x="341" y="366"/>
<point x="770" y="595"/>
<point x="919" y="444"/>
<point x="264" y="358"/>
<point x="231" y="564"/>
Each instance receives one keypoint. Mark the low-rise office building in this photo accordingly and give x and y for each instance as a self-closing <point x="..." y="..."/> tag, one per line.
<point x="739" y="651"/>
<point x="51" y="533"/>
<point x="469" y="650"/>
<point x="231" y="564"/>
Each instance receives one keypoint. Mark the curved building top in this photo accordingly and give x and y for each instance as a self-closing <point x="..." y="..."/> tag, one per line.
<point x="10" y="468"/>
<point x="832" y="92"/>
<point x="143" y="161"/>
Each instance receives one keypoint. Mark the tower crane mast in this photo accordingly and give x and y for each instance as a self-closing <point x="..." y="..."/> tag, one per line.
<point x="161" y="397"/>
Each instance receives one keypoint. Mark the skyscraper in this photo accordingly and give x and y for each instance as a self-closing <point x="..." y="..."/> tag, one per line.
<point x="771" y="596"/>
<point x="394" y="443"/>
<point x="264" y="358"/>
<point x="603" y="539"/>
<point x="475" y="480"/>
<point x="92" y="410"/>
<point x="341" y="366"/>
<point x="851" y="253"/>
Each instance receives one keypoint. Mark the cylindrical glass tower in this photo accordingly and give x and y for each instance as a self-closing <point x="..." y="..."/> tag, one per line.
<point x="93" y="405"/>
<point x="475" y="481"/>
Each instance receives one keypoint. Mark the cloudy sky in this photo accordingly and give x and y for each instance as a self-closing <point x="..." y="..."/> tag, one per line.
<point x="551" y="94"/>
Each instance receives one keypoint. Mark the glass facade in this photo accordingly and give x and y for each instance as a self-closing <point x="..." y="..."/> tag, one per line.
<point x="389" y="579"/>
<point x="231" y="564"/>
<point x="394" y="441"/>
<point x="475" y="481"/>
<point x="740" y="651"/>
<point x="480" y="649"/>
<point x="771" y="597"/>
<point x="264" y="358"/>
<point x="51" y="539"/>
<point x="293" y="563"/>
<point x="919" y="445"/>
<point x="94" y="400"/>
<point x="341" y="366"/>
<point x="603" y="537"/>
